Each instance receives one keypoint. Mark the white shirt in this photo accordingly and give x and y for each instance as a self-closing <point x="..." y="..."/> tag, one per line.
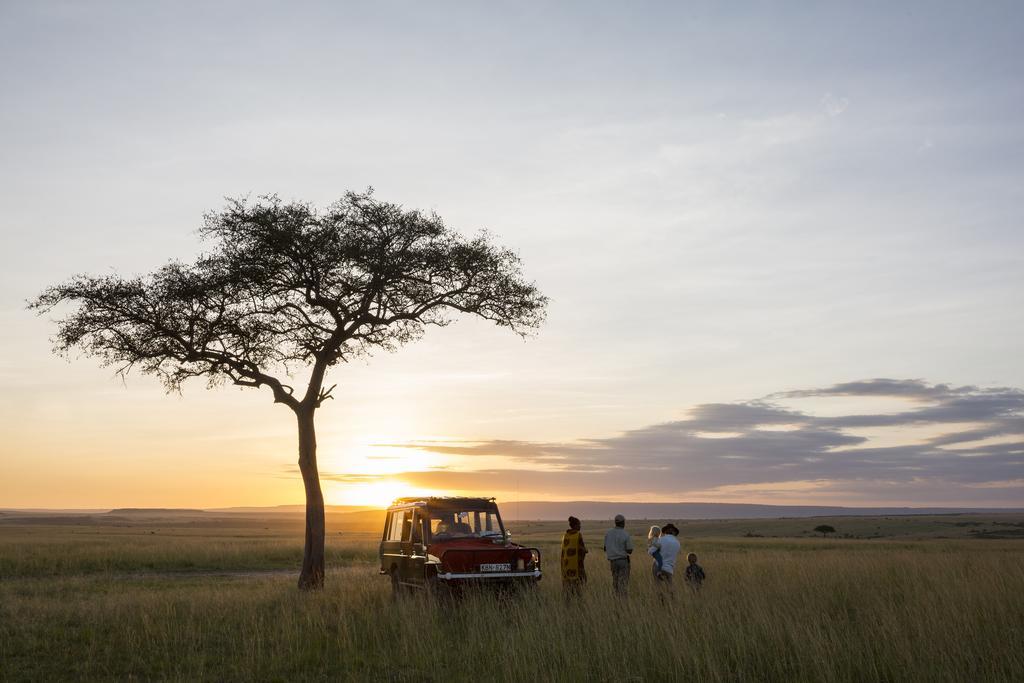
<point x="669" y="546"/>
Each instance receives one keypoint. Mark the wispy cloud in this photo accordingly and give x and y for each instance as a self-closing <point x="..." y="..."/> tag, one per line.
<point x="833" y="105"/>
<point x="760" y="446"/>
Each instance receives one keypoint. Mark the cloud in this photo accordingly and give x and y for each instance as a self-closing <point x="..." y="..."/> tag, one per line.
<point x="344" y="478"/>
<point x="292" y="471"/>
<point x="834" y="106"/>
<point x="909" y="388"/>
<point x="763" y="447"/>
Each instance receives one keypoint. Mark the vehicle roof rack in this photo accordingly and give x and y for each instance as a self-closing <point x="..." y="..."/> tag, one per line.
<point x="442" y="499"/>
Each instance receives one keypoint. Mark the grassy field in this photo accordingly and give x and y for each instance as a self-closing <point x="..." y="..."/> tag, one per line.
<point x="180" y="599"/>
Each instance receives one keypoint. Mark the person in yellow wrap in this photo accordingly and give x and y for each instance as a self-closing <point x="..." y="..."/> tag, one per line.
<point x="574" y="551"/>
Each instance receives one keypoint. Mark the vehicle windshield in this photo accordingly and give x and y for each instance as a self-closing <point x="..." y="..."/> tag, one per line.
<point x="449" y="524"/>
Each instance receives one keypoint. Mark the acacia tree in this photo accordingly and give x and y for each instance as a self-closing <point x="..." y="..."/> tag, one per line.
<point x="286" y="287"/>
<point x="825" y="529"/>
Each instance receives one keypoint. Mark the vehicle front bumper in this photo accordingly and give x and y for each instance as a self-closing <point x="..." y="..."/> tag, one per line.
<point x="486" y="576"/>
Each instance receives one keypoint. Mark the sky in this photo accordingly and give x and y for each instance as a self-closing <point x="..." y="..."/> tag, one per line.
<point x="783" y="245"/>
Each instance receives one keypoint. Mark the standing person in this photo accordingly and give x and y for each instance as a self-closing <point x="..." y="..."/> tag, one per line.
<point x="694" y="573"/>
<point x="618" y="546"/>
<point x="669" y="547"/>
<point x="574" y="551"/>
<point x="654" y="547"/>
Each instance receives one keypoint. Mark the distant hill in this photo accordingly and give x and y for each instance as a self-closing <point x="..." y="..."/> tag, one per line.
<point x="52" y="511"/>
<point x="293" y="509"/>
<point x="510" y="510"/>
<point x="156" y="511"/>
<point x="593" y="510"/>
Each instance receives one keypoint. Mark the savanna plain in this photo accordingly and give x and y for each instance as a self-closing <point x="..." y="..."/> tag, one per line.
<point x="207" y="596"/>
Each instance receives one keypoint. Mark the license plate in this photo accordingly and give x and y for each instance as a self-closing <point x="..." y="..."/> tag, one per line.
<point x="496" y="567"/>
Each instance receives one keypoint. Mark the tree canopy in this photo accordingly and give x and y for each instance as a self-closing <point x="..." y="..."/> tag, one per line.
<point x="284" y="285"/>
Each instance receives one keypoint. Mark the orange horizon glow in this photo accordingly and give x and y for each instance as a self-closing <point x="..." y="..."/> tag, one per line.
<point x="106" y="447"/>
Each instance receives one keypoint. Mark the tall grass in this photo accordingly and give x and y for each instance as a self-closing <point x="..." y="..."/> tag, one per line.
<point x="47" y="551"/>
<point x="771" y="610"/>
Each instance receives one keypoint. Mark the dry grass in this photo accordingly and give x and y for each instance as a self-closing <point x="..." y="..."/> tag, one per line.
<point x="130" y="606"/>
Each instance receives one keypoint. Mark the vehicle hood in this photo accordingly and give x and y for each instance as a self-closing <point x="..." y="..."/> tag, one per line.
<point x="438" y="547"/>
<point x="474" y="554"/>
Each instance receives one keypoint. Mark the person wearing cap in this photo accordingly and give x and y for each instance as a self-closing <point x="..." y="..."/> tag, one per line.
<point x="617" y="547"/>
<point x="669" y="547"/>
<point x="574" y="550"/>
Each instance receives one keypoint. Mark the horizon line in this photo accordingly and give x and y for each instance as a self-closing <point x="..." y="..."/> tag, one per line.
<point x="361" y="508"/>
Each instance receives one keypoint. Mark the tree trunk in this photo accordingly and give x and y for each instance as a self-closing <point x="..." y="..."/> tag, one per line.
<point x="312" y="576"/>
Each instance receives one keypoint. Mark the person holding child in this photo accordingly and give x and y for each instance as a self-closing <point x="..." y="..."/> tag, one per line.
<point x="666" y="549"/>
<point x="654" y="547"/>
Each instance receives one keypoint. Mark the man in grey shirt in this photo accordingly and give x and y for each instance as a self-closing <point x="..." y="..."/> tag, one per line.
<point x="618" y="546"/>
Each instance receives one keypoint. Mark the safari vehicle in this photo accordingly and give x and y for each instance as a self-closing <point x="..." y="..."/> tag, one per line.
<point x="446" y="543"/>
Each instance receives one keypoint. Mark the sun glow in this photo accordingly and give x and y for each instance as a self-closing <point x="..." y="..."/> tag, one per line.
<point x="376" y="494"/>
<point x="364" y="471"/>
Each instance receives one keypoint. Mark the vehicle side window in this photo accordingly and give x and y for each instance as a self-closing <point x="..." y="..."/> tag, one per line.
<point x="407" y="526"/>
<point x="417" y="527"/>
<point x="398" y="524"/>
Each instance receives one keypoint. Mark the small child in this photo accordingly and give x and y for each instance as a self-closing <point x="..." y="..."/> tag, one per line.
<point x="694" y="576"/>
<point x="654" y="548"/>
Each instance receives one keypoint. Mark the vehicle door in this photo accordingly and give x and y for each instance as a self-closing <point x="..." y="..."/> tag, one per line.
<point x="391" y="546"/>
<point x="414" y="549"/>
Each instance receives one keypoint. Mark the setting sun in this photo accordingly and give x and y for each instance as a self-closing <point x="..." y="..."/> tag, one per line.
<point x="376" y="494"/>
